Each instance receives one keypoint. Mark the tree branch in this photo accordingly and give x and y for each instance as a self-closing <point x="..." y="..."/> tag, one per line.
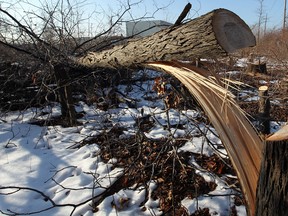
<point x="183" y="14"/>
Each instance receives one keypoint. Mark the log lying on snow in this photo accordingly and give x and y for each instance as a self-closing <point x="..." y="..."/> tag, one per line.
<point x="214" y="34"/>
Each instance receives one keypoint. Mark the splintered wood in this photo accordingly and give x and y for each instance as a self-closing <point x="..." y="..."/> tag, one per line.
<point x="241" y="141"/>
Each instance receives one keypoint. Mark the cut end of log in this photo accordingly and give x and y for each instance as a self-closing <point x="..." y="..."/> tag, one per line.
<point x="263" y="88"/>
<point x="280" y="135"/>
<point x="231" y="31"/>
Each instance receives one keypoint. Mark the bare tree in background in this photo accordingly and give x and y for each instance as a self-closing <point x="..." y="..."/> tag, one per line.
<point x="45" y="36"/>
<point x="261" y="18"/>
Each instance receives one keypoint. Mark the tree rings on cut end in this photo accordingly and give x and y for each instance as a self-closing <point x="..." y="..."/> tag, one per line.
<point x="231" y="31"/>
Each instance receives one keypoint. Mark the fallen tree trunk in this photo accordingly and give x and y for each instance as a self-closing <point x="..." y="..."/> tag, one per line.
<point x="212" y="35"/>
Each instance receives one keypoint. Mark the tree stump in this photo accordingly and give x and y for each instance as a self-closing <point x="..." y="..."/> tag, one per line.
<point x="272" y="190"/>
<point x="65" y="95"/>
<point x="284" y="83"/>
<point x="257" y="67"/>
<point x="264" y="110"/>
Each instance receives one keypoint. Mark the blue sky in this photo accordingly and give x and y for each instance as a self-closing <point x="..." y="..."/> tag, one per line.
<point x="246" y="9"/>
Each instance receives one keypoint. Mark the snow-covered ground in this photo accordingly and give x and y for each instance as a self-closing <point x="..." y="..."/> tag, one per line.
<point x="40" y="173"/>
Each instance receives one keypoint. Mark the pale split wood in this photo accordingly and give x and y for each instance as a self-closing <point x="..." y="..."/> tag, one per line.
<point x="240" y="139"/>
<point x="280" y="135"/>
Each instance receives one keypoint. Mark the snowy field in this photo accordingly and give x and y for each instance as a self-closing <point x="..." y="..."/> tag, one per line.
<point x="46" y="170"/>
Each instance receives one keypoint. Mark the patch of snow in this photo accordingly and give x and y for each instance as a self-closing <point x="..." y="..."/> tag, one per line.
<point x="230" y="73"/>
<point x="197" y="145"/>
<point x="41" y="157"/>
<point x="242" y="62"/>
<point x="263" y="82"/>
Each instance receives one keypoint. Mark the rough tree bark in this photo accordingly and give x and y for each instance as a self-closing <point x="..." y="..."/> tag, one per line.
<point x="212" y="35"/>
<point x="272" y="190"/>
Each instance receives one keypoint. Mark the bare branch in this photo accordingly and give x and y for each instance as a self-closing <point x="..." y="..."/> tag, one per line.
<point x="183" y="14"/>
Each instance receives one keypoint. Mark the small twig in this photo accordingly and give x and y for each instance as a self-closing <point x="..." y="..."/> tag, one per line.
<point x="13" y="136"/>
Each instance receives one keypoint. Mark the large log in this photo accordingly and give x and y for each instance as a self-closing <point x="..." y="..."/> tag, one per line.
<point x="211" y="35"/>
<point x="272" y="190"/>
